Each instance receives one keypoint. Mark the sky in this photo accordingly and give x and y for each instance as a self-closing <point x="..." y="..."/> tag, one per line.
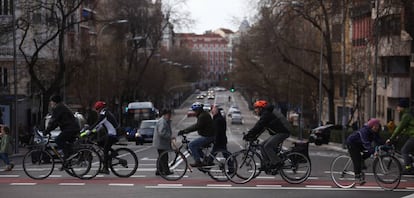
<point x="214" y="14"/>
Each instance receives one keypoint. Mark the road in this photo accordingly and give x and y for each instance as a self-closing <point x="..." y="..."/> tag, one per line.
<point x="145" y="184"/>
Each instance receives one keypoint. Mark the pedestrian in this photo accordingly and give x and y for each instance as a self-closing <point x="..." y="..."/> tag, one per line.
<point x="6" y="147"/>
<point x="162" y="140"/>
<point x="220" y="126"/>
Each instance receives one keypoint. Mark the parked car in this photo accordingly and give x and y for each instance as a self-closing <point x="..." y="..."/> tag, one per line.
<point x="145" y="132"/>
<point x="236" y="118"/>
<point x="207" y="106"/>
<point x="37" y="138"/>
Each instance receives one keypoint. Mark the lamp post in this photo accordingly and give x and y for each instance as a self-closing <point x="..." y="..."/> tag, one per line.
<point x="96" y="43"/>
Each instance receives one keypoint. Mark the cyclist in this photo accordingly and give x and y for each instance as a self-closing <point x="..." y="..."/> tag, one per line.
<point x="277" y="126"/>
<point x="204" y="126"/>
<point x="405" y="126"/>
<point x="106" y="121"/>
<point x="62" y="117"/>
<point x="360" y="141"/>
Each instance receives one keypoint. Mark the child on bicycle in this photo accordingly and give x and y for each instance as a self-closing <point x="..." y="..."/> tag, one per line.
<point x="360" y="141"/>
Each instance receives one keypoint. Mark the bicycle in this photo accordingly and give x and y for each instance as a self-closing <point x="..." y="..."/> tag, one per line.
<point x="119" y="160"/>
<point x="386" y="169"/>
<point x="294" y="167"/>
<point x="39" y="162"/>
<point x="177" y="165"/>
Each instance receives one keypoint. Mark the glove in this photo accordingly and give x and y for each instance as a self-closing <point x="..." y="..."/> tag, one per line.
<point x="85" y="133"/>
<point x="181" y="132"/>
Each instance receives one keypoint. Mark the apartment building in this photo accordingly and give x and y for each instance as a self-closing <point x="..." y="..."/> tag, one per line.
<point x="382" y="42"/>
<point x="215" y="50"/>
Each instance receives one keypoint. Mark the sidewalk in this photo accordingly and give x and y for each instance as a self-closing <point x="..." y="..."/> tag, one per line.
<point x="331" y="146"/>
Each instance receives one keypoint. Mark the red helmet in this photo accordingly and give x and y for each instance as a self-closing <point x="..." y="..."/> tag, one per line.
<point x="260" y="104"/>
<point x="99" y="105"/>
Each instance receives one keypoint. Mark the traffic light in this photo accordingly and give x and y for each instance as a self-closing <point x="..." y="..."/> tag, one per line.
<point x="232" y="88"/>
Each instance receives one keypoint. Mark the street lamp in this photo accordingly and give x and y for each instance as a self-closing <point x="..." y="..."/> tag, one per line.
<point x="96" y="43"/>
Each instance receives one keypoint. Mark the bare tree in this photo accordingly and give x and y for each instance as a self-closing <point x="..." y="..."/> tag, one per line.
<point x="43" y="28"/>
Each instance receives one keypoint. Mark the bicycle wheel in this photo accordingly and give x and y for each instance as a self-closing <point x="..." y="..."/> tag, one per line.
<point x="342" y="172"/>
<point x="240" y="167"/>
<point x="85" y="163"/>
<point x="124" y="162"/>
<point x="172" y="165"/>
<point x="38" y="164"/>
<point x="216" y="171"/>
<point x="296" y="168"/>
<point x="387" y="171"/>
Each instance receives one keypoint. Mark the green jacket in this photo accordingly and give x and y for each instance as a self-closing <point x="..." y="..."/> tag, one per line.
<point x="406" y="125"/>
<point x="5" y="144"/>
<point x="204" y="125"/>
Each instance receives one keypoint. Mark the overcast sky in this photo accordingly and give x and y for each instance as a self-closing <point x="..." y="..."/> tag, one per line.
<point x="214" y="14"/>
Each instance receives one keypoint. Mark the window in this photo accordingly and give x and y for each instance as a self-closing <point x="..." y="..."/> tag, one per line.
<point x="3" y="77"/>
<point x="6" y="7"/>
<point x="395" y="65"/>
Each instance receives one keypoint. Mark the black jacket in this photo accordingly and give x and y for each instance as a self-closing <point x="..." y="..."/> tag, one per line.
<point x="274" y="122"/>
<point x="220" y="126"/>
<point x="63" y="117"/>
<point x="204" y="125"/>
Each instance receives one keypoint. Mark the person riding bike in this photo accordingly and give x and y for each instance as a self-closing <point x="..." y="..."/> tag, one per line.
<point x="277" y="126"/>
<point x="406" y="126"/>
<point x="360" y="141"/>
<point x="106" y="121"/>
<point x="204" y="126"/>
<point x="63" y="118"/>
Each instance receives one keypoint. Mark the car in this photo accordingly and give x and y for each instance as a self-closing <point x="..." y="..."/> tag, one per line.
<point x="233" y="111"/>
<point x="145" y="132"/>
<point x="210" y="97"/>
<point x="236" y="118"/>
<point x="54" y="133"/>
<point x="200" y="97"/>
<point x="207" y="106"/>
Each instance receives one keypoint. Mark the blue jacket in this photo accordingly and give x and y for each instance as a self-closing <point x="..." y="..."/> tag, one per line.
<point x="364" y="137"/>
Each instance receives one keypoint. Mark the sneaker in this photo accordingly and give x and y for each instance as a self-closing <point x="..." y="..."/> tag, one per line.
<point x="9" y="167"/>
<point x="197" y="164"/>
<point x="104" y="171"/>
<point x="360" y="178"/>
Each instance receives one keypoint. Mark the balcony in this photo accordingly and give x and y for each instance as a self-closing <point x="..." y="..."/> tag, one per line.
<point x="398" y="87"/>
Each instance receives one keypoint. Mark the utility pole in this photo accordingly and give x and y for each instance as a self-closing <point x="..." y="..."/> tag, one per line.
<point x="374" y="79"/>
<point x="344" y="90"/>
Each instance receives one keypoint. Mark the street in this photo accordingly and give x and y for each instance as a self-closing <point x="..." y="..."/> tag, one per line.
<point x="196" y="184"/>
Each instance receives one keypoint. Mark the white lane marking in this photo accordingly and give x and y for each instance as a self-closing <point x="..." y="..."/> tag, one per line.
<point x="71" y="184"/>
<point x="317" y="186"/>
<point x="9" y="176"/>
<point x="23" y="184"/>
<point x="138" y="176"/>
<point x="148" y="159"/>
<point x="219" y="185"/>
<point x="170" y="185"/>
<point x="118" y="184"/>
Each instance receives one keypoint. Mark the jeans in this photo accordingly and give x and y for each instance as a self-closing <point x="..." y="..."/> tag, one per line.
<point x="196" y="144"/>
<point x="354" y="151"/>
<point x="406" y="150"/>
<point x="270" y="147"/>
<point x="5" y="158"/>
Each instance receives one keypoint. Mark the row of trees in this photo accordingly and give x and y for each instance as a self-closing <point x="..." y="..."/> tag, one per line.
<point x="292" y="39"/>
<point x="124" y="65"/>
